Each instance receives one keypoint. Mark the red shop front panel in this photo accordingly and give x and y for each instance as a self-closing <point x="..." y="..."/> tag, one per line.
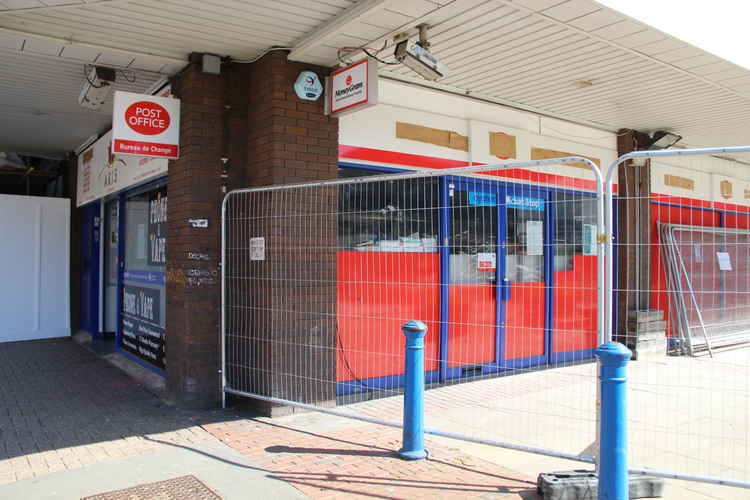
<point x="575" y="296"/>
<point x="377" y="293"/>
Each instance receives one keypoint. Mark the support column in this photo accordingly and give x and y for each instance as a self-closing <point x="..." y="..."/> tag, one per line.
<point x="633" y="242"/>
<point x="193" y="281"/>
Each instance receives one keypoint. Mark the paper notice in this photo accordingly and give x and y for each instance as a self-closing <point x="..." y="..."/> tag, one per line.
<point x="725" y="263"/>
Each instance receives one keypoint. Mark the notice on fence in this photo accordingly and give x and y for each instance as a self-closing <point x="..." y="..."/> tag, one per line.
<point x="725" y="263"/>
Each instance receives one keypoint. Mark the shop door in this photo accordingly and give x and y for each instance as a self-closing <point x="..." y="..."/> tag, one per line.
<point x="497" y="277"/>
<point x="111" y="266"/>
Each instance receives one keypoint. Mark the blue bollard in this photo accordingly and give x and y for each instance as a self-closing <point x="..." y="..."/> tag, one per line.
<point x="613" y="440"/>
<point x="413" y="441"/>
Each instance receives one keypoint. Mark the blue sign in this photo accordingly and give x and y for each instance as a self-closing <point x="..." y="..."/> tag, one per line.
<point x="482" y="199"/>
<point x="308" y="86"/>
<point x="524" y="203"/>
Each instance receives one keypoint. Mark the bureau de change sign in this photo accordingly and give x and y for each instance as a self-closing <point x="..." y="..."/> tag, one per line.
<point x="146" y="125"/>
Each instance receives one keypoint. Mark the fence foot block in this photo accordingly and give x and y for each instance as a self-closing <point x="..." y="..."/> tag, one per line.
<point x="582" y="484"/>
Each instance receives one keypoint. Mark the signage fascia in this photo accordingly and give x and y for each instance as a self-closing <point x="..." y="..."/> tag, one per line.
<point x="352" y="88"/>
<point x="101" y="173"/>
<point x="146" y="125"/>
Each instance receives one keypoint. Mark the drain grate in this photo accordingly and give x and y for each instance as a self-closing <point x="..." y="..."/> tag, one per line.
<point x="178" y="488"/>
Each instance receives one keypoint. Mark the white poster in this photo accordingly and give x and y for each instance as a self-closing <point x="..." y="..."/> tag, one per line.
<point x="101" y="173"/>
<point x="534" y="237"/>
<point x="725" y="262"/>
<point x="258" y="248"/>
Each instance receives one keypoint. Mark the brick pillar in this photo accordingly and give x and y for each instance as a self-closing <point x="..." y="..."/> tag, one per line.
<point x="292" y="335"/>
<point x="250" y="116"/>
<point x="193" y="254"/>
<point x="634" y="234"/>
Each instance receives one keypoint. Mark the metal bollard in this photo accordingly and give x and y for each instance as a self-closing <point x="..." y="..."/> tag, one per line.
<point x="613" y="443"/>
<point x="413" y="440"/>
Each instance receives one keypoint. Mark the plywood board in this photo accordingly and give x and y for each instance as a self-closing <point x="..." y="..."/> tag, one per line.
<point x="679" y="182"/>
<point x="548" y="154"/>
<point x="726" y="189"/>
<point x="502" y="145"/>
<point x="429" y="135"/>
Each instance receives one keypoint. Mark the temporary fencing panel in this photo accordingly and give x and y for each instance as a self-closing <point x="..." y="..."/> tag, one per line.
<point x="503" y="268"/>
<point x="320" y="277"/>
<point x="688" y="394"/>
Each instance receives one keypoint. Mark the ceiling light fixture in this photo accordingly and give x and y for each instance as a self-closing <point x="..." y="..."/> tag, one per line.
<point x="661" y="139"/>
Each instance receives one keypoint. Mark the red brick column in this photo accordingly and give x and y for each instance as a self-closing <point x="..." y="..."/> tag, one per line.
<point x="193" y="254"/>
<point x="250" y="116"/>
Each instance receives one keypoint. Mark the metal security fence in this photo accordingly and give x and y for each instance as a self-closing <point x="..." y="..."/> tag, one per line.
<point x="518" y="275"/>
<point x="504" y="270"/>
<point x="680" y="302"/>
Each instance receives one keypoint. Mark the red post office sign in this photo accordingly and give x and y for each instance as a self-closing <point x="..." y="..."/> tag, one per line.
<point x="145" y="125"/>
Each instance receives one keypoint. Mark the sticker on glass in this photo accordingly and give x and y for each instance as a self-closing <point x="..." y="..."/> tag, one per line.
<point x="589" y="239"/>
<point x="534" y="237"/>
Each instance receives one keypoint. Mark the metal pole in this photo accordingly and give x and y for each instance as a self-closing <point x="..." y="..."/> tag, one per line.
<point x="613" y="445"/>
<point x="413" y="441"/>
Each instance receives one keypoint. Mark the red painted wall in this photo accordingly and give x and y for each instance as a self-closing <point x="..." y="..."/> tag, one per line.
<point x="377" y="293"/>
<point x="574" y="321"/>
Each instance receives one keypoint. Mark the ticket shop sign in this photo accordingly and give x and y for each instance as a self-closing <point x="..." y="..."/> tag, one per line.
<point x="146" y="125"/>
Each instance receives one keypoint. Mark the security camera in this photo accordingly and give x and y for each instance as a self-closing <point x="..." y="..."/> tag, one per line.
<point x="97" y="87"/>
<point x="416" y="57"/>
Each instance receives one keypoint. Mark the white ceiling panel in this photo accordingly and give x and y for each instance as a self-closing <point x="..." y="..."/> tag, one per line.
<point x="533" y="54"/>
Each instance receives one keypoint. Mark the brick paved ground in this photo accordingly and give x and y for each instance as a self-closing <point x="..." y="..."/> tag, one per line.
<point x="341" y="459"/>
<point x="63" y="408"/>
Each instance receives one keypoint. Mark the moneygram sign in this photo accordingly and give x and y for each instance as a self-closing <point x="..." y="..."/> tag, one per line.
<point x="352" y="88"/>
<point x="145" y="125"/>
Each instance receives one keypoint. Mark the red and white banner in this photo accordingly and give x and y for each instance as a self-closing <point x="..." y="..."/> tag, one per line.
<point x="145" y="125"/>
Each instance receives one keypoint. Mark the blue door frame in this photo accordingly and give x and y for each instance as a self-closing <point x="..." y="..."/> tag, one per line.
<point x="90" y="268"/>
<point x="502" y="286"/>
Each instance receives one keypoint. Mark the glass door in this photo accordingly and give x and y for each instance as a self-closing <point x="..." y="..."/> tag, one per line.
<point x="524" y="287"/>
<point x="498" y="277"/>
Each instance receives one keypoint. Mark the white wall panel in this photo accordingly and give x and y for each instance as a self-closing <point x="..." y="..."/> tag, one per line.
<point x="35" y="265"/>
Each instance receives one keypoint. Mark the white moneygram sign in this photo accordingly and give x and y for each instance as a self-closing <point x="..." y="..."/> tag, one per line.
<point x="146" y="125"/>
<point x="352" y="88"/>
<point x="100" y="172"/>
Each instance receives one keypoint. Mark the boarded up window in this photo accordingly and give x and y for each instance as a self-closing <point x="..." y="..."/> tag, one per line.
<point x="438" y="137"/>
<point x="548" y="154"/>
<point x="502" y="145"/>
<point x="679" y="182"/>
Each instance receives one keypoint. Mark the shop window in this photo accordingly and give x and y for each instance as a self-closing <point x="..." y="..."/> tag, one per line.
<point x="575" y="228"/>
<point x="524" y="261"/>
<point x="388" y="216"/>
<point x="473" y="236"/>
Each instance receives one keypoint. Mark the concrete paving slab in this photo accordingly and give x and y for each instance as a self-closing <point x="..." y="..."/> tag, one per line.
<point x="222" y="469"/>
